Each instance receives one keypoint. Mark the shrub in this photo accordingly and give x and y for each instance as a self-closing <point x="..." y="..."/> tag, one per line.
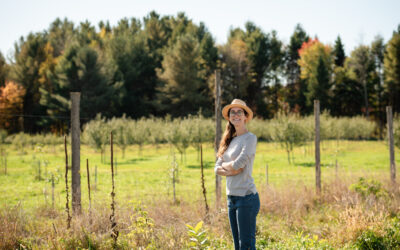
<point x="392" y="234"/>
<point x="369" y="187"/>
<point x="3" y="136"/>
<point x="370" y="240"/>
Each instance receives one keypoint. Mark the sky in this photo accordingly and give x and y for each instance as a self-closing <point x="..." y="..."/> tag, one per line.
<point x="356" y="21"/>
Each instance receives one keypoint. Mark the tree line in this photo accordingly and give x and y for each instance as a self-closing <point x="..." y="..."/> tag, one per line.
<point x="163" y="65"/>
<point x="289" y="131"/>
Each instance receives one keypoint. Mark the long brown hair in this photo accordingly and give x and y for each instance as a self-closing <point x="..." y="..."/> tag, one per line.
<point x="227" y="137"/>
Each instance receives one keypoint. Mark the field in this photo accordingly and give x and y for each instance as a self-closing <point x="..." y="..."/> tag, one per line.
<point x="291" y="215"/>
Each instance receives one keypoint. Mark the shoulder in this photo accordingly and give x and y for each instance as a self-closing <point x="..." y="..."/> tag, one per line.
<point x="251" y="137"/>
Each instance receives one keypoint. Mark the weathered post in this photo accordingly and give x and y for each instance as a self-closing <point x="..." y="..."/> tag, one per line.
<point x="202" y="178"/>
<point x="66" y="184"/>
<point x="218" y="132"/>
<point x="114" y="231"/>
<point x="389" y="115"/>
<point x="75" y="145"/>
<point x="317" y="149"/>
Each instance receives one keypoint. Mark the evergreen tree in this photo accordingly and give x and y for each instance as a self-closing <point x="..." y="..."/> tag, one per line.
<point x="3" y="70"/>
<point x="235" y="68"/>
<point x="321" y="90"/>
<point x="361" y="65"/>
<point x="257" y="43"/>
<point x="158" y="32"/>
<point x="347" y="94"/>
<point x="378" y="53"/>
<point x="28" y="56"/>
<point x="296" y="87"/>
<point x="184" y="79"/>
<point x="274" y="88"/>
<point x="86" y="34"/>
<point x="392" y="71"/>
<point x="79" y="70"/>
<point x="131" y="63"/>
<point x="60" y="35"/>
<point x="338" y="53"/>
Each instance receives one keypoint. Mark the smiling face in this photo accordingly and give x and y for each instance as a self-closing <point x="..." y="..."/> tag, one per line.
<point x="237" y="117"/>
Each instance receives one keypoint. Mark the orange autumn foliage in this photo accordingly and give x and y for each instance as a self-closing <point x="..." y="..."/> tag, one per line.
<point x="307" y="45"/>
<point x="309" y="53"/>
<point x="11" y="105"/>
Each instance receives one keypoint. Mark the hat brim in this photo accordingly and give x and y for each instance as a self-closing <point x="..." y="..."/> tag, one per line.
<point x="225" y="111"/>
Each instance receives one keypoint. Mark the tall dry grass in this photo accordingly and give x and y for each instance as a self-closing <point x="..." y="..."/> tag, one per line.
<point x="338" y="215"/>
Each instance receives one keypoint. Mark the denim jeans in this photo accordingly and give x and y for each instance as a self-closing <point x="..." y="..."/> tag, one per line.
<point x="242" y="213"/>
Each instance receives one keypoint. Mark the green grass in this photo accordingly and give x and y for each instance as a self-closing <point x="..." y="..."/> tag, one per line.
<point x="145" y="176"/>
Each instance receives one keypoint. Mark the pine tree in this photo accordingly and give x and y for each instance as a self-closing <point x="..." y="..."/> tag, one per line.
<point x="321" y="90"/>
<point x="296" y="87"/>
<point x="347" y="99"/>
<point x="3" y="70"/>
<point x="392" y="70"/>
<point x="129" y="57"/>
<point x="79" y="70"/>
<point x="378" y="51"/>
<point x="338" y="53"/>
<point x="29" y="56"/>
<point x="361" y="65"/>
<point x="184" y="78"/>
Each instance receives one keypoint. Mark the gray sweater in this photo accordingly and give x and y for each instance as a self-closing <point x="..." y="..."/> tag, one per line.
<point x="242" y="151"/>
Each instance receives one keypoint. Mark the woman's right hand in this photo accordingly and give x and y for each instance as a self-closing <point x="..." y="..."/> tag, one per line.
<point x="224" y="172"/>
<point x="234" y="172"/>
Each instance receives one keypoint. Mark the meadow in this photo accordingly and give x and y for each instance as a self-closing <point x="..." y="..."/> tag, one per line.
<point x="349" y="213"/>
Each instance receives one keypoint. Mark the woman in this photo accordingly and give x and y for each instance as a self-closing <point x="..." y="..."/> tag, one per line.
<point x="235" y="161"/>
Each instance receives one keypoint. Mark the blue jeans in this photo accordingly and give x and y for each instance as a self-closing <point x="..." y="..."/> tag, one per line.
<point x="242" y="211"/>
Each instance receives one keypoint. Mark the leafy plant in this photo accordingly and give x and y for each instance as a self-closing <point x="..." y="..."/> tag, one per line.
<point x="368" y="187"/>
<point x="197" y="237"/>
<point x="141" y="230"/>
<point x="370" y="240"/>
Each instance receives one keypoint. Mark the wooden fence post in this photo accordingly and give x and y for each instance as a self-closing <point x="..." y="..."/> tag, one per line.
<point x="66" y="184"/>
<point x="317" y="149"/>
<point x="202" y="178"/>
<point x="114" y="231"/>
<point x="389" y="116"/>
<point x="218" y="132"/>
<point x="75" y="152"/>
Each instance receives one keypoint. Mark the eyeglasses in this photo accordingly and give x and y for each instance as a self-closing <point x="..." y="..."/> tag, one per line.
<point x="233" y="113"/>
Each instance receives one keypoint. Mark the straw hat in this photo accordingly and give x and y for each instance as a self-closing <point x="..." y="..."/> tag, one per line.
<point x="237" y="103"/>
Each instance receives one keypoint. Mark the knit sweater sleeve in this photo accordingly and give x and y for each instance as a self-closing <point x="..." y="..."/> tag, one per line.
<point x="248" y="152"/>
<point x="218" y="164"/>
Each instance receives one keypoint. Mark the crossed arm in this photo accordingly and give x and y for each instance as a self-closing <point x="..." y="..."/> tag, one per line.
<point x="226" y="169"/>
<point x="235" y="167"/>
